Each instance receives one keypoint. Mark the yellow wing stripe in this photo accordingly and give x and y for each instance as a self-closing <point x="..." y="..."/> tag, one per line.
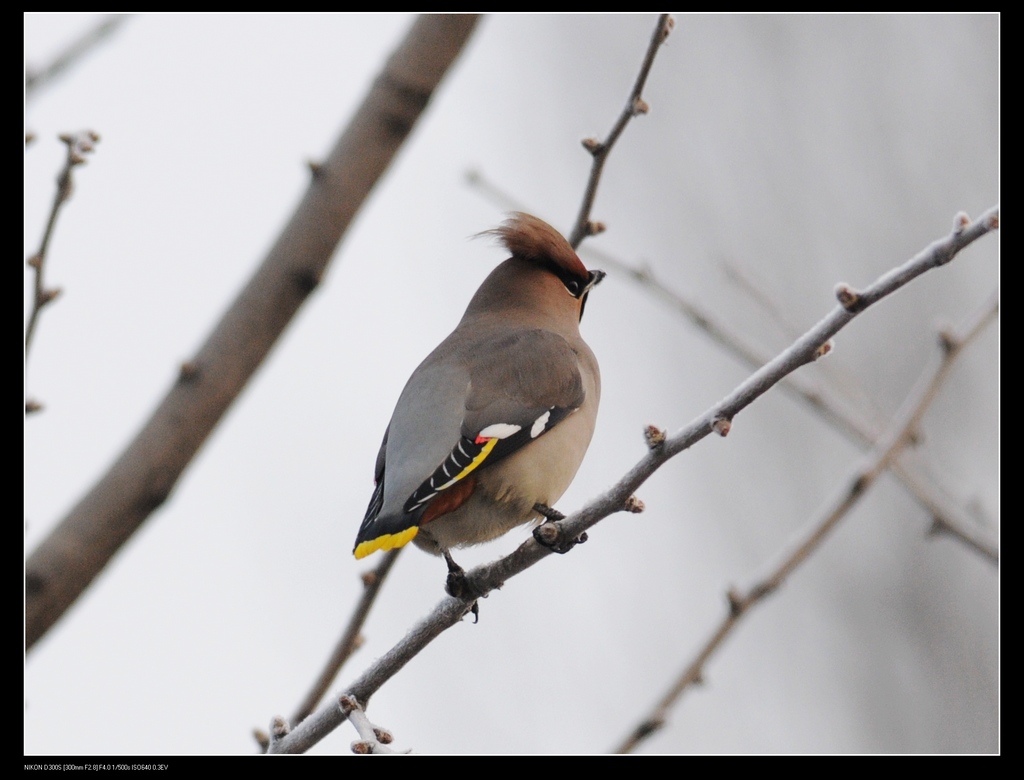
<point x="386" y="542"/>
<point x="481" y="456"/>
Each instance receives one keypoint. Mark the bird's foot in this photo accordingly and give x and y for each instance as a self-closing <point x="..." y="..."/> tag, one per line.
<point x="549" y="533"/>
<point x="458" y="585"/>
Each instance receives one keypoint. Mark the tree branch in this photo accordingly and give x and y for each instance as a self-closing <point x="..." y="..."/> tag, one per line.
<point x="947" y="510"/>
<point x="483" y="579"/>
<point x="78" y="145"/>
<point x="143" y="476"/>
<point x="35" y="78"/>
<point x="350" y="637"/>
<point x="600" y="150"/>
<point x="902" y="433"/>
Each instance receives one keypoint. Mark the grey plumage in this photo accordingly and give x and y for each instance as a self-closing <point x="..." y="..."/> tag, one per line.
<point x="499" y="416"/>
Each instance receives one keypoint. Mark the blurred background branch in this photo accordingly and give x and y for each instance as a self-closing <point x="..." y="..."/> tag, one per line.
<point x="901" y="435"/>
<point x="141" y="479"/>
<point x="36" y="78"/>
<point x="78" y="145"/>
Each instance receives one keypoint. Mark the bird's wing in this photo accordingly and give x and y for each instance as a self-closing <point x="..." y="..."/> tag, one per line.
<point x="520" y="386"/>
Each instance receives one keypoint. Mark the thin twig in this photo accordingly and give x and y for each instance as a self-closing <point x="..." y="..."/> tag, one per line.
<point x="483" y="579"/>
<point x="600" y="150"/>
<point x="755" y="290"/>
<point x="321" y="723"/>
<point x="948" y="511"/>
<point x="350" y="638"/>
<point x="78" y="145"/>
<point x="843" y="385"/>
<point x="372" y="739"/>
<point x="35" y="78"/>
<point x="901" y="435"/>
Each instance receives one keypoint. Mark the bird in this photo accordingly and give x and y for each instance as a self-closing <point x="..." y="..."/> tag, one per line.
<point x="492" y="426"/>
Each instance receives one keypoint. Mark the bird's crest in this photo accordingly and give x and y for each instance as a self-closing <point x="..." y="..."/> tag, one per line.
<point x="531" y="238"/>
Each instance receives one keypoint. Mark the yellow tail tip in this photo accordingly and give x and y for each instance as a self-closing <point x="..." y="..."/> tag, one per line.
<point x="385" y="542"/>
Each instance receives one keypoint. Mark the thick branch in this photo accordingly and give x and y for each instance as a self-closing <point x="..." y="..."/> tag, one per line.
<point x="483" y="579"/>
<point x="144" y="475"/>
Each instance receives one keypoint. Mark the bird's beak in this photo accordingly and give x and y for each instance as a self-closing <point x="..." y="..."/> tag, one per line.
<point x="595" y="279"/>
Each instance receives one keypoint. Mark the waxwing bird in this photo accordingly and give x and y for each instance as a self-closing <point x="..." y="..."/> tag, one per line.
<point x="491" y="428"/>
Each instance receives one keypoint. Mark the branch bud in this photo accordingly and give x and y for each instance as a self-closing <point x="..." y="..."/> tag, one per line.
<point x="948" y="340"/>
<point x="262" y="739"/>
<point x="824" y="349"/>
<point x="654" y="436"/>
<point x="47" y="296"/>
<point x="79" y="144"/>
<point x="634" y="505"/>
<point x="722" y="426"/>
<point x="279" y="728"/>
<point x="848" y="298"/>
<point x="735" y="601"/>
<point x="188" y="371"/>
<point x="348" y="703"/>
<point x="593" y="146"/>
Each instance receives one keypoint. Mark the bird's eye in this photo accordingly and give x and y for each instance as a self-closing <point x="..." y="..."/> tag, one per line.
<point x="573" y="287"/>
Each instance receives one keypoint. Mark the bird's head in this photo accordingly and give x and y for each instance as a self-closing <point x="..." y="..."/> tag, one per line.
<point x="534" y="242"/>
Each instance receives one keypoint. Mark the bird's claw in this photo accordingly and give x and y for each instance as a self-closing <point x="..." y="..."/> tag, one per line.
<point x="458" y="585"/>
<point x="549" y="533"/>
